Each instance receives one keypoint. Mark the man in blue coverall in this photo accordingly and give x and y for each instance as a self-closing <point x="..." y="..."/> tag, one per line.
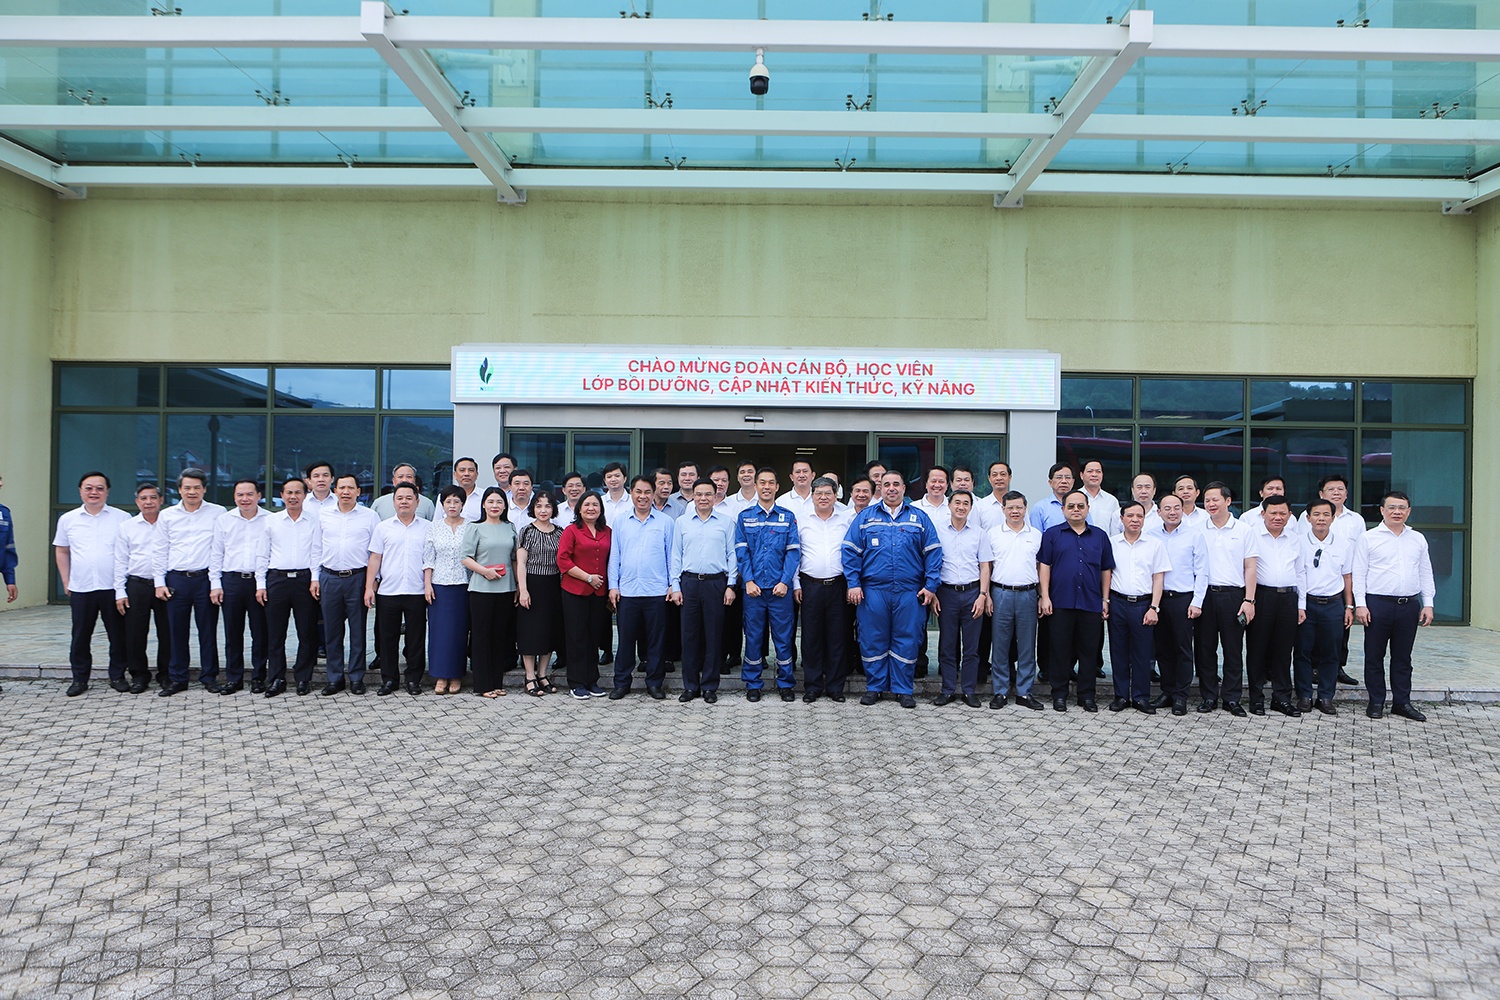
<point x="768" y="550"/>
<point x="892" y="560"/>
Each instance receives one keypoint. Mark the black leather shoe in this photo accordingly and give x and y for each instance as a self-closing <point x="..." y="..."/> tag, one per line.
<point x="869" y="697"/>
<point x="787" y="694"/>
<point x="1237" y="710"/>
<point x="605" y="659"/>
<point x="358" y="687"/>
<point x="1304" y="705"/>
<point x="1059" y="704"/>
<point x="169" y="689"/>
<point x="235" y="688"/>
<point x="1144" y="707"/>
<point x="944" y="699"/>
<point x="810" y="697"/>
<point x="615" y="694"/>
<point x="710" y="697"/>
<point x="257" y="687"/>
<point x="304" y="688"/>
<point x="276" y="688"/>
<point x="999" y="701"/>
<point x="972" y="700"/>
<point x="836" y="696"/>
<point x="1408" y="711"/>
<point x="1375" y="711"/>
<point x="907" y="701"/>
<point x="1285" y="708"/>
<point x="1162" y="701"/>
<point x="1029" y="702"/>
<point x="1179" y="706"/>
<point x="120" y="685"/>
<point x="1089" y="705"/>
<point x="1257" y="708"/>
<point x="1119" y="705"/>
<point x="1344" y="678"/>
<point x="1325" y="706"/>
<point x="1204" y="707"/>
<point x="752" y="695"/>
<point x="656" y="694"/>
<point x="389" y="687"/>
<point x="211" y="686"/>
<point x="414" y="687"/>
<point x="333" y="688"/>
<point x="136" y="687"/>
<point x="77" y="688"/>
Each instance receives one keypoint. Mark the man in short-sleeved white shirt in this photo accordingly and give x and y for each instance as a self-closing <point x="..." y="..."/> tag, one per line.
<point x="85" y="553"/>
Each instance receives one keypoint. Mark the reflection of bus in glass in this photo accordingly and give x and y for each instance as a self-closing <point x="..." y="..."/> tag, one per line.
<point x="1204" y="460"/>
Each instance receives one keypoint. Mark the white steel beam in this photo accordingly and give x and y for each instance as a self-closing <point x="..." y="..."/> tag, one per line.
<point x="264" y="32"/>
<point x="421" y="75"/>
<point x="34" y="167"/>
<point x="1485" y="187"/>
<point x="1194" y="41"/>
<point x="1087" y="93"/>
<point x="190" y="118"/>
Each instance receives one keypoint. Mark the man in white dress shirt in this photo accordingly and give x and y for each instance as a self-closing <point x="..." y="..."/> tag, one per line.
<point x="1326" y="589"/>
<point x="339" y="568"/>
<point x="990" y="510"/>
<point x="466" y="476"/>
<point x="1229" y="605"/>
<point x="519" y="498"/>
<point x="232" y="585"/>
<point x="1013" y="600"/>
<point x="798" y="499"/>
<point x="573" y="489"/>
<point x="1393" y="595"/>
<point x="85" y="552"/>
<point x="394" y="586"/>
<point x="934" y="499"/>
<point x="963" y="597"/>
<point x="1349" y="525"/>
<point x="1270" y="486"/>
<point x="1104" y="508"/>
<point x="179" y="568"/>
<point x="822" y="593"/>
<point x="1135" y="589"/>
<point x="135" y="592"/>
<point x="1186" y="488"/>
<point x="1271" y="637"/>
<point x="284" y="578"/>
<point x="1184" y="587"/>
<point x="617" y="502"/>
<point x="319" y="478"/>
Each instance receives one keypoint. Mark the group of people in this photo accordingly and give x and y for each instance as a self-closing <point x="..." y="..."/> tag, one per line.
<point x="698" y="572"/>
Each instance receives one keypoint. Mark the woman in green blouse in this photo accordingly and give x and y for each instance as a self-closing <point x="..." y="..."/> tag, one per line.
<point x="490" y="557"/>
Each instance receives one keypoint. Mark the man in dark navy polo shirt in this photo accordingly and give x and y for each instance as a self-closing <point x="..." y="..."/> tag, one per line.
<point x="1074" y="564"/>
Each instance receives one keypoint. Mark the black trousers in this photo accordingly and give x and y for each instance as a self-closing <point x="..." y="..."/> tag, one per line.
<point x="1174" y="645"/>
<point x="1315" y="662"/>
<point x="90" y="607"/>
<point x="288" y="596"/>
<point x="585" y="632"/>
<point x="1074" y="637"/>
<point x="143" y="609"/>
<point x="190" y="600"/>
<point x="1393" y="623"/>
<point x="643" y="622"/>
<point x="1130" y="646"/>
<point x="492" y="638"/>
<point x="958" y="639"/>
<point x="238" y="608"/>
<point x="391" y="611"/>
<point x="826" y="629"/>
<point x="1269" y="641"/>
<point x="1219" y="626"/>
<point x="702" y="616"/>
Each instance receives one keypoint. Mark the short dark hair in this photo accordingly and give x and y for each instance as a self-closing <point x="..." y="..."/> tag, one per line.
<point x="872" y="463"/>
<point x="1394" y="495"/>
<point x="192" y="472"/>
<point x="307" y="469"/>
<point x="960" y="467"/>
<point x="451" y="490"/>
<point x="744" y="462"/>
<point x="716" y="468"/>
<point x="347" y="475"/>
<point x="1090" y="461"/>
<point x="538" y="497"/>
<point x="765" y="469"/>
<point x="1132" y="503"/>
<point x="281" y="486"/>
<point x="705" y="482"/>
<point x="658" y="472"/>
<point x="801" y="461"/>
<point x="466" y="458"/>
<point x="244" y="479"/>
<point x="1060" y="467"/>
<point x="91" y="475"/>
<point x="996" y="462"/>
<point x="143" y="487"/>
<point x="1268" y="480"/>
<point x="1223" y="489"/>
<point x="1320" y="502"/>
<point x="1334" y="477"/>
<point x="863" y="479"/>
<point x="598" y="522"/>
<point x="1276" y="500"/>
<point x="1013" y="495"/>
<point x="571" y="475"/>
<point x="1179" y="479"/>
<point x="961" y="493"/>
<point x="648" y="480"/>
<point x="1069" y="495"/>
<point x="518" y="473"/>
<point x="406" y="484"/>
<point x="613" y="467"/>
<point x="497" y="458"/>
<point x="947" y="476"/>
<point x="684" y="464"/>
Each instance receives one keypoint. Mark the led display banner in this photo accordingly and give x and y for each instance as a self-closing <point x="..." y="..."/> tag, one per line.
<point x="659" y="375"/>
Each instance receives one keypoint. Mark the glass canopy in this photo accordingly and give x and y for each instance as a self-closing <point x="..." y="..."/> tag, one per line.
<point x="1237" y="97"/>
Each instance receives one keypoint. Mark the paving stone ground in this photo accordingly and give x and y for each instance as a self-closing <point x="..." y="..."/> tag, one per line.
<point x="209" y="846"/>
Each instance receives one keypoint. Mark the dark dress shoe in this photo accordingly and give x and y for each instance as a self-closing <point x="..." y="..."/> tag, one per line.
<point x="869" y="697"/>
<point x="615" y="694"/>
<point x="357" y="687"/>
<point x="972" y="700"/>
<point x="389" y="687"/>
<point x="1204" y="707"/>
<point x="836" y="696"/>
<point x="1325" y="706"/>
<point x="1285" y="708"/>
<point x="1179" y="706"/>
<point x="77" y="688"/>
<point x="333" y="688"/>
<point x="1089" y="705"/>
<point x="999" y="701"/>
<point x="169" y="689"/>
<point x="136" y="687"/>
<point x="810" y="697"/>
<point x="944" y="699"/>
<point x="710" y="697"/>
<point x="1304" y="705"/>
<point x="1257" y="708"/>
<point x="1029" y="702"/>
<point x="1408" y="711"/>
<point x="211" y="686"/>
<point x="304" y="687"/>
<point x="906" y="701"/>
<point x="1344" y="678"/>
<point x="1162" y="701"/>
<point x="232" y="688"/>
<point x="414" y="687"/>
<point x="1375" y="711"/>
<point x="1144" y="707"/>
<point x="1059" y="704"/>
<point x="120" y="685"/>
<point x="605" y="659"/>
<point x="787" y="694"/>
<point x="1119" y="705"/>
<point x="687" y="696"/>
<point x="276" y="688"/>
<point x="1099" y="672"/>
<point x="656" y="694"/>
<point x="752" y="695"/>
<point x="257" y="687"/>
<point x="1237" y="710"/>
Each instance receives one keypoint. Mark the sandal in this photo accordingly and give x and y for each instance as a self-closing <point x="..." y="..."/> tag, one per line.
<point x="534" y="687"/>
<point x="546" y="684"/>
<point x="496" y="693"/>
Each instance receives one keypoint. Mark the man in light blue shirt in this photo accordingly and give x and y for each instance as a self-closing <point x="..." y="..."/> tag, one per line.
<point x="1049" y="512"/>
<point x="702" y="584"/>
<point x="640" y="555"/>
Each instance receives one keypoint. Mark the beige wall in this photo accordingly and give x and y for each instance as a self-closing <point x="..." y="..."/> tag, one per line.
<point x="26" y="273"/>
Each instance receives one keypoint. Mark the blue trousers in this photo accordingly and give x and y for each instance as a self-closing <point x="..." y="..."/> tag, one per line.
<point x="343" y="602"/>
<point x="642" y="619"/>
<point x="190" y="600"/>
<point x="958" y="639"/>
<point x="891" y="625"/>
<point x="783" y="625"/>
<point x="1315" y="662"/>
<point x="1015" y="621"/>
<point x="1130" y="648"/>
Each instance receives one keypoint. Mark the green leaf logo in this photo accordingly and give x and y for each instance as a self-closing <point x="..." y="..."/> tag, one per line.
<point x="485" y="371"/>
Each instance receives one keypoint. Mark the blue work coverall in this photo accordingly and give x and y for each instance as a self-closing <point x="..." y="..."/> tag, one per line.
<point x="892" y="559"/>
<point x="768" y="550"/>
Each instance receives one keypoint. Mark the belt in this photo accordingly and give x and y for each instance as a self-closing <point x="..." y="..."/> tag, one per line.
<point x="289" y="574"/>
<point x="1176" y="593"/>
<point x="1226" y="590"/>
<point x="1275" y="590"/>
<point x="1020" y="589"/>
<point x="1138" y="598"/>
<point x="342" y="572"/>
<point x="1393" y="597"/>
<point x="189" y="572"/>
<point x="960" y="587"/>
<point x="827" y="581"/>
<point x="236" y="576"/>
<point x="143" y="579"/>
<point x="707" y="576"/>
<point x="1330" y="599"/>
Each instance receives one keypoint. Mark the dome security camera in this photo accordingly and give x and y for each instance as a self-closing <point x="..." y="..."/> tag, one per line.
<point x="760" y="77"/>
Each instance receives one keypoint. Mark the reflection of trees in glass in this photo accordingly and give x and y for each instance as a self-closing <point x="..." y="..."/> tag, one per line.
<point x="1096" y="398"/>
<point x="424" y="442"/>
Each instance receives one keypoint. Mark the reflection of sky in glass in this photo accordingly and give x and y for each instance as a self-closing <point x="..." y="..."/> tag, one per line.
<point x="326" y="387"/>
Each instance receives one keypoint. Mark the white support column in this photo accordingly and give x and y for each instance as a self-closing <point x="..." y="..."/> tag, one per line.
<point x="1087" y="93"/>
<point x="478" y="429"/>
<point x="417" y="70"/>
<point x="1032" y="439"/>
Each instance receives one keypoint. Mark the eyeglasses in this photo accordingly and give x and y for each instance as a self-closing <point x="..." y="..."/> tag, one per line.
<point x="1316" y="556"/>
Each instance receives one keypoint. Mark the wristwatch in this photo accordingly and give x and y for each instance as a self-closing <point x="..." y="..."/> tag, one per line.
<point x="1156" y="609"/>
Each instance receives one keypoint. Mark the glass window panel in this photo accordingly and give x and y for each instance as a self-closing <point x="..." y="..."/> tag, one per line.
<point x="592" y="452"/>
<point x="977" y="453"/>
<point x="326" y="388"/>
<point x="543" y="455"/>
<point x="225" y="447"/>
<point x="1079" y="443"/>
<point x="123" y="446"/>
<point x="109" y="385"/>
<point x="217" y="388"/>
<point x="425" y="442"/>
<point x="1205" y="453"/>
<point x="1414" y="402"/>
<point x="416" y="389"/>
<point x="346" y="442"/>
<point x="911" y="457"/>
<point x="1192" y="399"/>
<point x="1446" y="550"/>
<point x="1301" y="457"/>
<point x="1325" y="402"/>
<point x="1096" y="398"/>
<point x="1428" y="466"/>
